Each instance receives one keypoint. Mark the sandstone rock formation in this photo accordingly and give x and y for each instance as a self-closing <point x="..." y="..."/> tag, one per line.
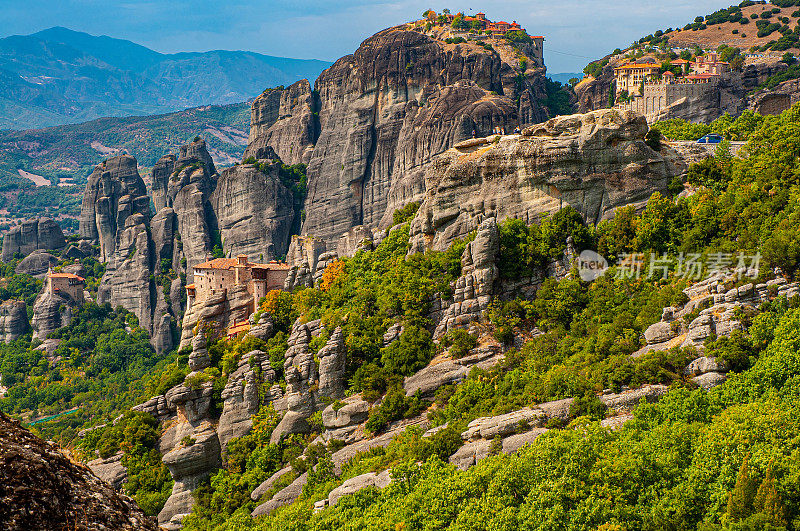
<point x="31" y="235"/>
<point x="50" y="312"/>
<point x="114" y="191"/>
<point x="110" y="470"/>
<point x="593" y="162"/>
<point x="36" y="264"/>
<point x="13" y="320"/>
<point x="473" y="289"/>
<point x="43" y="489"/>
<point x="285" y="121"/>
<point x="241" y="397"/>
<point x="301" y="375"/>
<point x="379" y="116"/>
<point x="255" y="211"/>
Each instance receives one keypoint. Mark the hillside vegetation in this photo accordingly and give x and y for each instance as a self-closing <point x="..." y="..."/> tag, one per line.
<point x="721" y="459"/>
<point x="67" y="154"/>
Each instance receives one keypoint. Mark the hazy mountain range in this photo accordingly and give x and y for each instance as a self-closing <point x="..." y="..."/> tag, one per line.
<point x="59" y="76"/>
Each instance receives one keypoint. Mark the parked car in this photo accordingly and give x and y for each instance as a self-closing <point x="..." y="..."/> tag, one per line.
<point x="711" y="138"/>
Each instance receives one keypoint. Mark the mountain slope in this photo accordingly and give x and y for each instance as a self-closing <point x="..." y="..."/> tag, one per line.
<point x="59" y="76"/>
<point x="66" y="154"/>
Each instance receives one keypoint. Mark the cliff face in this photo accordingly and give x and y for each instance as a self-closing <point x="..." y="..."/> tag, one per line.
<point x="255" y="211"/>
<point x="114" y="192"/>
<point x="32" y="235"/>
<point x="593" y="162"/>
<point x="379" y="116"/>
<point x="286" y="121"/>
<point x="43" y="489"/>
<point x="116" y="212"/>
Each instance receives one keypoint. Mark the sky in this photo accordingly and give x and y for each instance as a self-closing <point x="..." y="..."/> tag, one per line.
<point x="575" y="31"/>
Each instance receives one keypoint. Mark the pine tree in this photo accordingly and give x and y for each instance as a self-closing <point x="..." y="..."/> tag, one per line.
<point x="740" y="500"/>
<point x="769" y="502"/>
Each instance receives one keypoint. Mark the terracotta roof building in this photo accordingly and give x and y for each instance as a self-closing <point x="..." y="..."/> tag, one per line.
<point x="66" y="285"/>
<point x="220" y="274"/>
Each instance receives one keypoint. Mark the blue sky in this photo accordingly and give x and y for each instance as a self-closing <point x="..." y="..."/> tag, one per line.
<point x="575" y="30"/>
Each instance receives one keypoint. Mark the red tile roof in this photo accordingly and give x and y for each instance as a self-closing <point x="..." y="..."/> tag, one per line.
<point x="217" y="263"/>
<point x="230" y="263"/>
<point x="67" y="275"/>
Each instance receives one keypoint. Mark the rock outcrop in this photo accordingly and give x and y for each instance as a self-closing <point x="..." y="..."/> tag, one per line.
<point x="285" y="121"/>
<point x="377" y="118"/>
<point x="241" y="398"/>
<point x="36" y="264"/>
<point x="593" y="162"/>
<point x="473" y="289"/>
<point x="43" y="489"/>
<point x="114" y="191"/>
<point x="13" y="320"/>
<point x="31" y="235"/>
<point x="254" y="210"/>
<point x="51" y="311"/>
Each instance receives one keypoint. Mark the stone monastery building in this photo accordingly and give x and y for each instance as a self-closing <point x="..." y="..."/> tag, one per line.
<point x="221" y="274"/>
<point x="650" y="93"/>
<point x="66" y="285"/>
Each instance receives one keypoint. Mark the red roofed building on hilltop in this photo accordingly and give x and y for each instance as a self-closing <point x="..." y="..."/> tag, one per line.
<point x="66" y="285"/>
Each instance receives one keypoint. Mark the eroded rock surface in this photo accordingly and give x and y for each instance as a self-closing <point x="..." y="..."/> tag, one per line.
<point x="13" y="320"/>
<point x="31" y="235"/>
<point x="43" y="489"/>
<point x="593" y="162"/>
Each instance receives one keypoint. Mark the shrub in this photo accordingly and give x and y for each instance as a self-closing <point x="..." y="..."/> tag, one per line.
<point x="459" y="342"/>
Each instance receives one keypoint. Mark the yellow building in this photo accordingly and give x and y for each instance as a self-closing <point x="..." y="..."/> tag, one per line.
<point x="66" y="285"/>
<point x="629" y="77"/>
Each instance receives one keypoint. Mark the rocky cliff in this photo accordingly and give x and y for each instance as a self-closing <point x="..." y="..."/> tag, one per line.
<point x="286" y="121"/>
<point x="116" y="213"/>
<point x="13" y="320"/>
<point x="254" y="211"/>
<point x="31" y="235"/>
<point x="377" y="118"/>
<point x="593" y="162"/>
<point x="114" y="191"/>
<point x="43" y="489"/>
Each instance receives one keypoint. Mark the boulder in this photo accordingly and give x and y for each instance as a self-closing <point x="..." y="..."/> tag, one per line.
<point x="36" y="264"/>
<point x="658" y="333"/>
<point x="710" y="379"/>
<point x="353" y="485"/>
<point x="269" y="483"/>
<point x="332" y="359"/>
<point x="703" y="365"/>
<point x="514" y="442"/>
<point x="110" y="470"/>
<point x="469" y="454"/>
<point x="283" y="497"/>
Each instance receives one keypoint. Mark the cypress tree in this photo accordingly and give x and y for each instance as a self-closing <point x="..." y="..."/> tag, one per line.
<point x="740" y="500"/>
<point x="769" y="502"/>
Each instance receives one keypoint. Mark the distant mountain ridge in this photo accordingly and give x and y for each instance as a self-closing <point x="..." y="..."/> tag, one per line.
<point x="58" y="76"/>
